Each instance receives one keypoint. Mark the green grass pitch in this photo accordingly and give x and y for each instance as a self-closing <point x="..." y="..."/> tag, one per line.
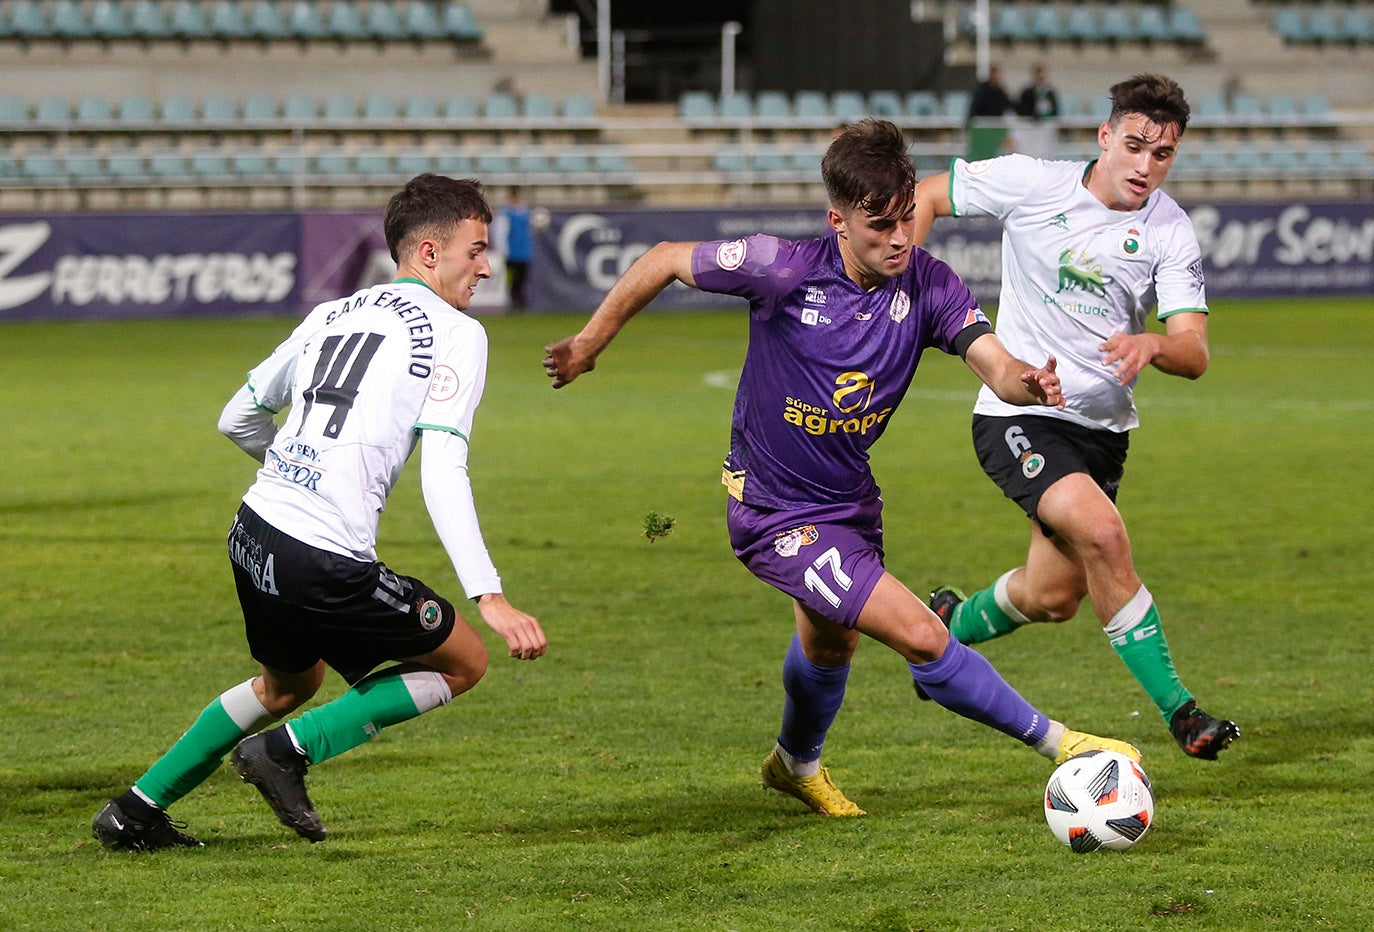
<point x="614" y="783"/>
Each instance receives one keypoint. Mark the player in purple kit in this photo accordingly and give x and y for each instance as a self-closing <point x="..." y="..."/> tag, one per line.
<point x="837" y="326"/>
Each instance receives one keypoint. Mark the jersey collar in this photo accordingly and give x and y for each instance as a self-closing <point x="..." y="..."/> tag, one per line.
<point x="407" y="280"/>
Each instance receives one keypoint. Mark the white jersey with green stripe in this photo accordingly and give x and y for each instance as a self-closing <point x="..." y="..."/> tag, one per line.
<point x="1075" y="272"/>
<point x="363" y="375"/>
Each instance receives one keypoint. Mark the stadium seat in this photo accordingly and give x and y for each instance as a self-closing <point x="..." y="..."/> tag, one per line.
<point x="411" y="164"/>
<point x="1100" y="108"/>
<point x="93" y="110"/>
<point x="1151" y="26"/>
<point x="696" y="105"/>
<point x="332" y="164"/>
<point x="736" y="106"/>
<point x="1080" y="25"/>
<point x="533" y="163"/>
<point x="1211" y="107"/>
<point x="126" y="165"/>
<point x="954" y="104"/>
<point x="1283" y="160"/>
<point x="176" y="110"/>
<point x="1047" y="25"/>
<point x="922" y="104"/>
<point x="768" y="162"/>
<point x="259" y="108"/>
<point x="226" y="21"/>
<point x="579" y="107"/>
<point x="848" y="106"/>
<point x="494" y="163"/>
<point x="420" y="22"/>
<point x="611" y="163"/>
<point x="1354" y="157"/>
<point x="28" y="21"/>
<point x="136" y="111"/>
<point x="167" y="165"/>
<point x="298" y="107"/>
<point x="806" y="161"/>
<point x="249" y="165"/>
<point x="379" y="107"/>
<point x="885" y="104"/>
<point x="109" y="21"/>
<point x="1322" y="26"/>
<point x="13" y="111"/>
<point x="52" y="110"/>
<point x="811" y="105"/>
<point x="498" y="106"/>
<point x="340" y="108"/>
<point x="382" y="22"/>
<point x="1357" y="27"/>
<point x="266" y="23"/>
<point x="1316" y="107"/>
<point x="1116" y="25"/>
<point x="68" y="22"/>
<point x="209" y="165"/>
<point x="1185" y="26"/>
<point x="453" y="164"/>
<point x="219" y="111"/>
<point x="420" y="107"/>
<point x="572" y="163"/>
<point x="1247" y="107"/>
<point x="83" y="166"/>
<point x="460" y="107"/>
<point x="729" y="161"/>
<point x="773" y="105"/>
<point x="344" y="23"/>
<point x="1291" y="25"/>
<point x="40" y="166"/>
<point x="538" y="107"/>
<point x="1009" y="24"/>
<point x="287" y="164"/>
<point x="373" y="164"/>
<point x="458" y="22"/>
<point x="147" y="23"/>
<point x="187" y="21"/>
<point x="304" y="22"/>
<point x="1282" y="107"/>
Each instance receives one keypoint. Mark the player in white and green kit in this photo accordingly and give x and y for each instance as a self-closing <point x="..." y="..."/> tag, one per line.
<point x="1088" y="249"/>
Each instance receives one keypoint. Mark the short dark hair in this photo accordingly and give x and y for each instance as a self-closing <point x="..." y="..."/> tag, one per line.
<point x="432" y="206"/>
<point x="867" y="166"/>
<point x="1155" y="97"/>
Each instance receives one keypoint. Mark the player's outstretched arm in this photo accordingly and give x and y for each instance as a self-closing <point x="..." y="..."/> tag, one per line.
<point x="1015" y="381"/>
<point x="932" y="200"/>
<point x="249" y="426"/>
<point x="642" y="282"/>
<point x="1180" y="350"/>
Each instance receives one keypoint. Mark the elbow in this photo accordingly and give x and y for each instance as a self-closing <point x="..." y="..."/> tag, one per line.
<point x="1199" y="366"/>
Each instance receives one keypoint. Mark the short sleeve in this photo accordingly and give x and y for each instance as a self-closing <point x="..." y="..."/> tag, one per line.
<point x="992" y="187"/>
<point x="457" y="383"/>
<point x="1179" y="284"/>
<point x="758" y="268"/>
<point x="956" y="318"/>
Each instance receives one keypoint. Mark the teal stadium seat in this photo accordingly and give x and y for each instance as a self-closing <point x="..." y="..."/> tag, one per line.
<point x="344" y="23"/>
<point x="69" y="22"/>
<point x="1100" y="108"/>
<point x="1081" y="25"/>
<point x="538" y="107"/>
<point x="453" y="164"/>
<point x="922" y="104"/>
<point x="886" y="104"/>
<point x="305" y="22"/>
<point x="1116" y="26"/>
<point x="420" y="107"/>
<point x="260" y="108"/>
<point x="1291" y="25"/>
<point x="494" y="164"/>
<point x="736" y="106"/>
<point x="611" y="163"/>
<point x="533" y="163"/>
<point x="804" y="161"/>
<point x="579" y="107"/>
<point x="340" y="108"/>
<point x="1047" y="25"/>
<point x="411" y="164"/>
<point x="1316" y="107"/>
<point x="1282" y="108"/>
<point x="94" y="110"/>
<point x="249" y="165"/>
<point x="460" y="107"/>
<point x="696" y="106"/>
<point x="1186" y="27"/>
<point x="380" y="107"/>
<point x="167" y="165"/>
<point x="13" y="111"/>
<point x="373" y="164"/>
<point x="498" y="106"/>
<point x="1248" y="108"/>
<point x="768" y="162"/>
<point x="1283" y="160"/>
<point x="572" y="163"/>
<point x="287" y="165"/>
<point x="298" y="107"/>
<point x="177" y="110"/>
<point x="729" y="161"/>
<point x="333" y="164"/>
<point x="126" y="165"/>
<point x="1009" y="24"/>
<point x="266" y="22"/>
<point x="227" y="22"/>
<point x="1211" y="108"/>
<point x="52" y="110"/>
<point x="219" y="111"/>
<point x="458" y="23"/>
<point x="420" y="22"/>
<point x="848" y="106"/>
<point x="83" y="166"/>
<point x="110" y="21"/>
<point x="382" y="22"/>
<point x="28" y="21"/>
<point x="811" y="106"/>
<point x="1323" y="26"/>
<point x="147" y="23"/>
<point x="954" y="104"/>
<point x="1353" y="158"/>
<point x="136" y="111"/>
<point x="40" y="166"/>
<point x="1357" y="25"/>
<point x="773" y="105"/>
<point x="1151" y="26"/>
<point x="187" y="21"/>
<point x="9" y="166"/>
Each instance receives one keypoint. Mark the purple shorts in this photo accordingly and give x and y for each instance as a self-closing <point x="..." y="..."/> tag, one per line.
<point x="828" y="557"/>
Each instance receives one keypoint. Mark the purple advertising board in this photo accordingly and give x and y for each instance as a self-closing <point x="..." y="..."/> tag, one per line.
<point x="1248" y="250"/>
<point x="148" y="265"/>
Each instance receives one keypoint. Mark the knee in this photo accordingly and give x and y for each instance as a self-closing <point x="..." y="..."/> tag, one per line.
<point x="1107" y="544"/>
<point x="1060" y="606"/>
<point x="468" y="672"/>
<point x="280" y="701"/>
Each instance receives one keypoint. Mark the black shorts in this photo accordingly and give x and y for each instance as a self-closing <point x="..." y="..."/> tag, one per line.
<point x="1027" y="453"/>
<point x="302" y="605"/>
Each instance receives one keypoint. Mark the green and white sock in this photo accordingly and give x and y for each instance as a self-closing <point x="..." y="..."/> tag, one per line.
<point x="987" y="614"/>
<point x="1138" y="638"/>
<point x="379" y="699"/>
<point x="234" y="715"/>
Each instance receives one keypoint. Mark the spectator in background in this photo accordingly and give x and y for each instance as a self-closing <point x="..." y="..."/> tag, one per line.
<point x="990" y="98"/>
<point x="519" y="248"/>
<point x="1039" y="100"/>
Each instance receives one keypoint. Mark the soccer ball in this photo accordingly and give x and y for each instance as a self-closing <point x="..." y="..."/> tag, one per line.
<point x="1100" y="799"/>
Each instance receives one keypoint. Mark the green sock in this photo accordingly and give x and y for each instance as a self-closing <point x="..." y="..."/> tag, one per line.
<point x="225" y="722"/>
<point x="384" y="698"/>
<point x="979" y="618"/>
<point x="1145" y="652"/>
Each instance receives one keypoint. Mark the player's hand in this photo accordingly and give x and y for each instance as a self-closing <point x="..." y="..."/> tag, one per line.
<point x="1043" y="384"/>
<point x="1128" y="354"/>
<point x="521" y="632"/>
<point x="566" y="360"/>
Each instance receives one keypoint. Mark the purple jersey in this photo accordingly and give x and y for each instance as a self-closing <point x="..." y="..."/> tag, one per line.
<point x="828" y="362"/>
